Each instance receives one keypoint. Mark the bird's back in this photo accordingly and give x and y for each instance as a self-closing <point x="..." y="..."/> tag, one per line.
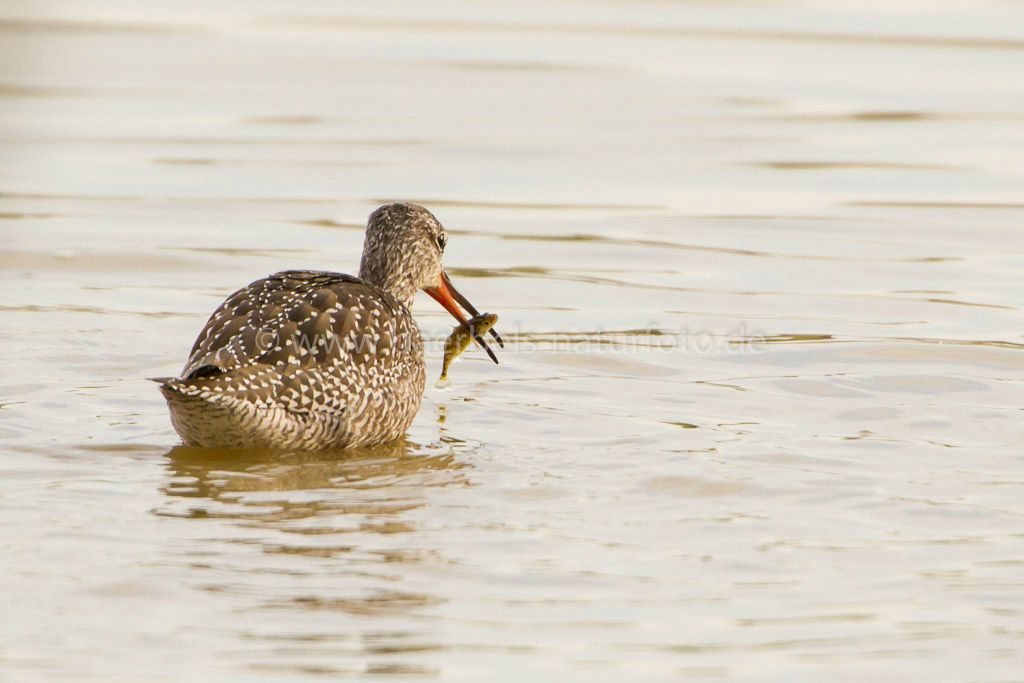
<point x="303" y="359"/>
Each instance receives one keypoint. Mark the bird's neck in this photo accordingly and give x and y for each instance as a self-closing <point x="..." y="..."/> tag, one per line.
<point x="396" y="282"/>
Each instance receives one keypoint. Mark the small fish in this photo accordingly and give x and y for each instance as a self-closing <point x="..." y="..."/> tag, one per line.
<point x="460" y="338"/>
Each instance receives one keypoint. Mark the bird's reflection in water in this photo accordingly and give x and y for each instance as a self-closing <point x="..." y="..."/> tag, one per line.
<point x="336" y="549"/>
<point x="246" y="483"/>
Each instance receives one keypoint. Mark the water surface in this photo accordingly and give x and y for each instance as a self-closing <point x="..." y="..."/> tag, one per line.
<point x="759" y="265"/>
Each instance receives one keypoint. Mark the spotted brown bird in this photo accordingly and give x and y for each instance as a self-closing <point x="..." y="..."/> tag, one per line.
<point x="309" y="359"/>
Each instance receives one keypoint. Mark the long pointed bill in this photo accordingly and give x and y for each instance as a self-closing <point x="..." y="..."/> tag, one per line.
<point x="445" y="294"/>
<point x="468" y="306"/>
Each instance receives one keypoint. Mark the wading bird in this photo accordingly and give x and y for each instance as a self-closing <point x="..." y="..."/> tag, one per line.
<point x="310" y="359"/>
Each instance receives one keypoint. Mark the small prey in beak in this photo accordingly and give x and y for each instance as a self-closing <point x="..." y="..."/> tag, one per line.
<point x="461" y="336"/>
<point x="446" y="295"/>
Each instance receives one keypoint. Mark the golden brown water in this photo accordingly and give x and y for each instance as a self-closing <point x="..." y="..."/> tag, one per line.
<point x="760" y="266"/>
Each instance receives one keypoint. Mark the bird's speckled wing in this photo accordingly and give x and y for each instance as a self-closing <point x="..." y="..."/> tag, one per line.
<point x="295" y="333"/>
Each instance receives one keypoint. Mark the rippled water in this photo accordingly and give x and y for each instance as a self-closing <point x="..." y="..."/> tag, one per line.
<point x="760" y="265"/>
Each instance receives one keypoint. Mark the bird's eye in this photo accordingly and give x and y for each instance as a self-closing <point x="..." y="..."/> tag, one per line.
<point x="442" y="240"/>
